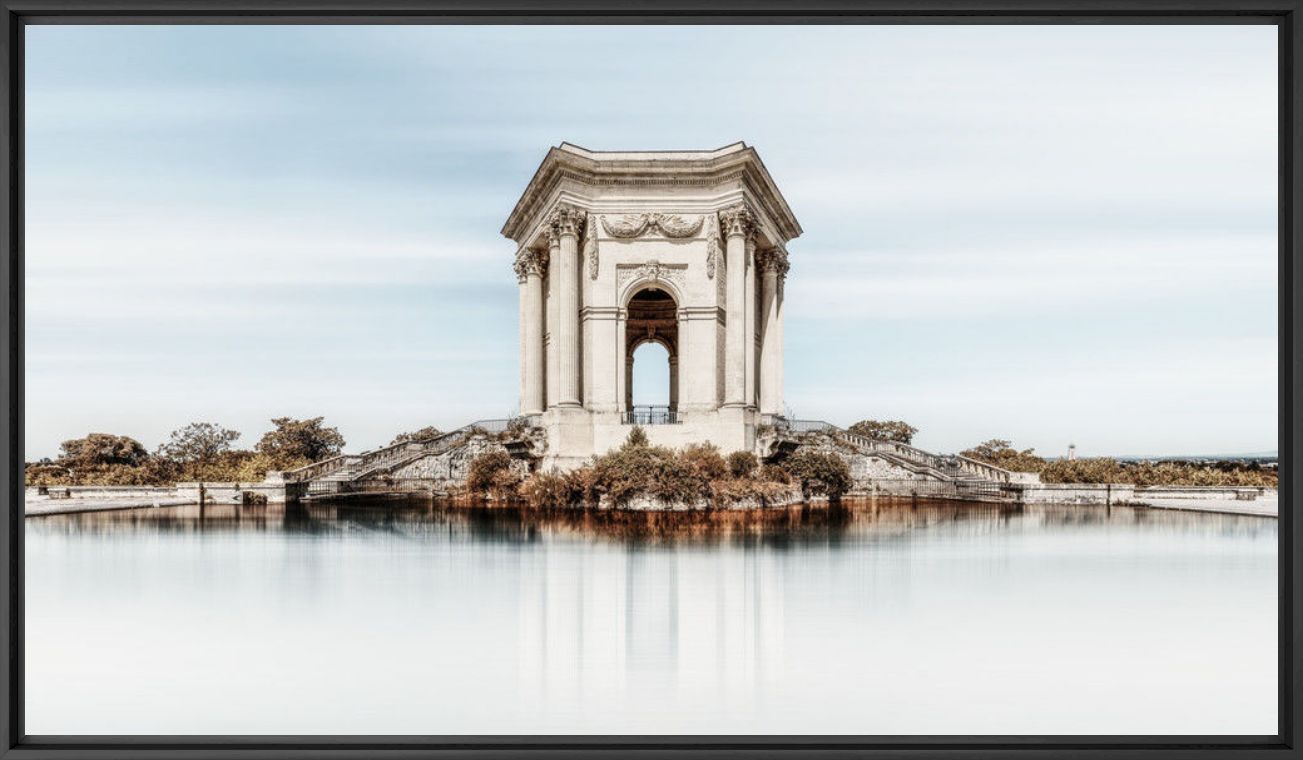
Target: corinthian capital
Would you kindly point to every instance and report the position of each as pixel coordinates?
(530, 261)
(565, 220)
(737, 220)
(772, 260)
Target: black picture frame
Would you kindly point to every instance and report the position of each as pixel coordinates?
(15, 15)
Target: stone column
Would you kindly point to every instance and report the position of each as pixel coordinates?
(674, 382)
(564, 226)
(530, 265)
(752, 324)
(618, 361)
(550, 334)
(738, 226)
(628, 383)
(772, 265)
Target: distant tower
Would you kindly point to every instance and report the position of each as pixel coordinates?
(1072, 452)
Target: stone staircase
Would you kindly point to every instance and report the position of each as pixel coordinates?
(340, 473)
(962, 472)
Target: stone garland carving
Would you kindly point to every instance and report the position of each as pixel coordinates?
(652, 270)
(590, 246)
(635, 225)
(530, 261)
(713, 245)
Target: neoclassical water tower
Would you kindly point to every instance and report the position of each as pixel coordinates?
(683, 248)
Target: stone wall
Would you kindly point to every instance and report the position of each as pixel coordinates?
(235, 493)
(449, 468)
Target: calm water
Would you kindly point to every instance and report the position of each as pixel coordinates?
(415, 619)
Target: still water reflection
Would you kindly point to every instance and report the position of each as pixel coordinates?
(413, 618)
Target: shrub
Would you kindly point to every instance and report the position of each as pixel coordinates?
(505, 485)
(1000, 453)
(742, 464)
(293, 439)
(884, 430)
(706, 459)
(549, 490)
(637, 437)
(482, 476)
(820, 473)
(775, 474)
(732, 491)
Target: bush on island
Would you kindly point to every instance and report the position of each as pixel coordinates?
(820, 473)
(742, 464)
(694, 475)
(490, 473)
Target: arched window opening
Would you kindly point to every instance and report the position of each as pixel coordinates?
(652, 335)
(651, 375)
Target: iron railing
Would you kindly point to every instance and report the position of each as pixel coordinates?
(651, 415)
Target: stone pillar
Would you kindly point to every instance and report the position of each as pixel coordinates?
(674, 382)
(530, 265)
(752, 324)
(779, 365)
(621, 360)
(550, 334)
(738, 226)
(564, 226)
(772, 265)
(628, 383)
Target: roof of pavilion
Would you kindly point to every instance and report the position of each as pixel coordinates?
(671, 167)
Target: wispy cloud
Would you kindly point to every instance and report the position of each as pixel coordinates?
(1047, 233)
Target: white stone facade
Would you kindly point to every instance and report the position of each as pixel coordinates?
(687, 249)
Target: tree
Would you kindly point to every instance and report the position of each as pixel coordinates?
(424, 434)
(820, 472)
(885, 430)
(296, 440)
(102, 450)
(197, 444)
(1001, 453)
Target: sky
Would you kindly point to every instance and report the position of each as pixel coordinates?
(1052, 235)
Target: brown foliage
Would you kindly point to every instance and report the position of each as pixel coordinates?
(884, 430)
(742, 464)
(819, 473)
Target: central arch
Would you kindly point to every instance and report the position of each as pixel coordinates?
(652, 318)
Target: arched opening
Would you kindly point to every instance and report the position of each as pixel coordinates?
(651, 361)
(651, 375)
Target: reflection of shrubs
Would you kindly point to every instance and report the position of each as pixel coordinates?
(820, 473)
(741, 464)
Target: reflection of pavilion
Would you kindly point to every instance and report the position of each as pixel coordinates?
(618, 249)
(596, 624)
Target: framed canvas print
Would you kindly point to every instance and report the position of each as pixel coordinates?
(428, 379)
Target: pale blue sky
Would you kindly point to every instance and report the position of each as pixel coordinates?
(1048, 234)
